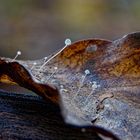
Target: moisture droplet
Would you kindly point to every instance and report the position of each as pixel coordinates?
(45, 58)
(91, 48)
(18, 53)
(87, 71)
(67, 41)
(61, 86)
(55, 68)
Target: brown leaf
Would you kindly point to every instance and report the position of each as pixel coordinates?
(115, 72)
(99, 81)
(14, 73)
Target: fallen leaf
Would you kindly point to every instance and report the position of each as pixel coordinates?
(15, 73)
(98, 80)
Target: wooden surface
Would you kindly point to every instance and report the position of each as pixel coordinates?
(29, 117)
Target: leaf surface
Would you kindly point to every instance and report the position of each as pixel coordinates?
(98, 82)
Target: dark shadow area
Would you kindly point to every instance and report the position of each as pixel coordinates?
(29, 117)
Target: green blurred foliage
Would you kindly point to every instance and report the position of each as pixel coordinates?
(39, 27)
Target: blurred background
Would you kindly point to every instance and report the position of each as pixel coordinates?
(39, 27)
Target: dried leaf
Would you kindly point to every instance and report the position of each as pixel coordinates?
(14, 73)
(99, 82)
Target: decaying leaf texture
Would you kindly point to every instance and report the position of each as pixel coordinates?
(13, 72)
(108, 95)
